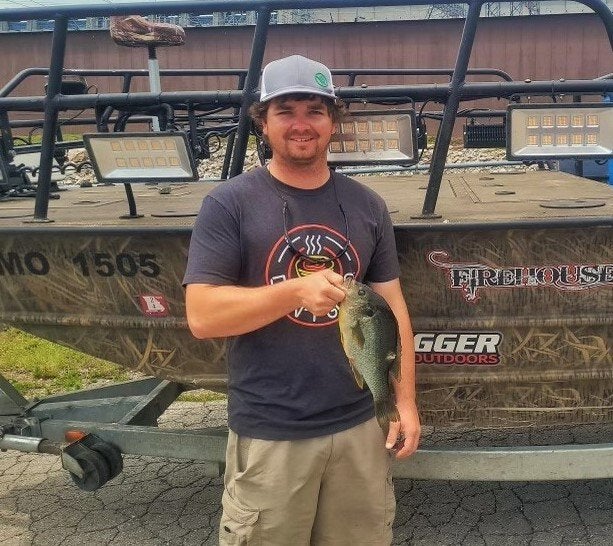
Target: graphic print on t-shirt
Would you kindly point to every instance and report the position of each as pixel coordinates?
(317, 242)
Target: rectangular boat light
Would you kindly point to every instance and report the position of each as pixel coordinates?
(140, 157)
(375, 138)
(582, 131)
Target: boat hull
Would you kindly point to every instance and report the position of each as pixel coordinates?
(512, 326)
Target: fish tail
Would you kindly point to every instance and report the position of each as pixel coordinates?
(386, 411)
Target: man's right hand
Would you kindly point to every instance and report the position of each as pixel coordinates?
(320, 292)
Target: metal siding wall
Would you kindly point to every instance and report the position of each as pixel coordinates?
(537, 47)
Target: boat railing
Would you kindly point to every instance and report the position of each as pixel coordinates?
(450, 95)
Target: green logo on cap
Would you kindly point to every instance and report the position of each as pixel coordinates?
(321, 80)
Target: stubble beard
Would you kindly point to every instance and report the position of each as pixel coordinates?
(305, 157)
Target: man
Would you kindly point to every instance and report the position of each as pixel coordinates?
(307, 462)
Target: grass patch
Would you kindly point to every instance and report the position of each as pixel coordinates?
(202, 395)
(36, 367)
(37, 136)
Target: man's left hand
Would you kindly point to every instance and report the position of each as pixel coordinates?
(403, 436)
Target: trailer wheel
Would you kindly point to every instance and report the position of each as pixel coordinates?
(96, 470)
(112, 455)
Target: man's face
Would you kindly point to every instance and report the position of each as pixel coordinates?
(298, 131)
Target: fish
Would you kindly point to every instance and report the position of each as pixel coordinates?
(371, 340)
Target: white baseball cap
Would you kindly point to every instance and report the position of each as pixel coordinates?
(295, 74)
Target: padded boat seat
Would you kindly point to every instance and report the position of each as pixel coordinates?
(136, 31)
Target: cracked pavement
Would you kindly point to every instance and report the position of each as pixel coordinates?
(171, 501)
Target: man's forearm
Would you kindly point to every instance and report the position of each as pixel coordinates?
(220, 311)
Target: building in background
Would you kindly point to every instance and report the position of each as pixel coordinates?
(336, 15)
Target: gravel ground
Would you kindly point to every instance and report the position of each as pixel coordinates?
(211, 168)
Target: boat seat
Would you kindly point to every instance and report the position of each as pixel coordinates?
(137, 31)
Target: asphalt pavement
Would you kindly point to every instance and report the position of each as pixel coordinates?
(167, 502)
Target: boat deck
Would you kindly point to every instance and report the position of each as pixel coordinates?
(465, 199)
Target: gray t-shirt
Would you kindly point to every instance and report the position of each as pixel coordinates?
(291, 379)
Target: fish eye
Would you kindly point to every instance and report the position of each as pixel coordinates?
(361, 292)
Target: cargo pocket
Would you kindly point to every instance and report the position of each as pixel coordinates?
(238, 523)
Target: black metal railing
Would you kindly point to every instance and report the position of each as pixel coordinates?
(450, 94)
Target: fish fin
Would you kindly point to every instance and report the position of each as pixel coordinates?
(358, 335)
(386, 411)
(358, 338)
(395, 365)
(359, 379)
(395, 369)
(344, 344)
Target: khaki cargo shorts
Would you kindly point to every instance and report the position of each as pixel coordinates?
(333, 490)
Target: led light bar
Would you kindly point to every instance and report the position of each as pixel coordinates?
(140, 157)
(374, 138)
(537, 131)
